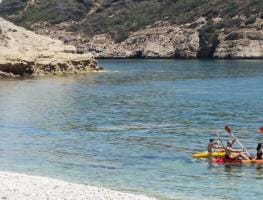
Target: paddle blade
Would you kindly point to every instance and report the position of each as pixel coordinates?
(228, 129)
(261, 130)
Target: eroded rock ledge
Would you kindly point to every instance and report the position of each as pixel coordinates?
(24, 53)
(163, 40)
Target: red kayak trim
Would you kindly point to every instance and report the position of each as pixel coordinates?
(224, 161)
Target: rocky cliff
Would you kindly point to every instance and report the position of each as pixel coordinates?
(164, 40)
(147, 28)
(24, 53)
(244, 43)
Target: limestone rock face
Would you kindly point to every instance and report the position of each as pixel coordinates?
(144, 28)
(158, 41)
(24, 53)
(240, 44)
(163, 40)
(177, 42)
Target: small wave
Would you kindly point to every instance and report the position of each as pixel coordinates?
(135, 127)
(103, 166)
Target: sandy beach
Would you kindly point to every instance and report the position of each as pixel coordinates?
(25, 187)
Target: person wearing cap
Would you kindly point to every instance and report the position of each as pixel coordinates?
(212, 145)
(234, 154)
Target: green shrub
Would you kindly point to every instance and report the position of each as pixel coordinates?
(121, 17)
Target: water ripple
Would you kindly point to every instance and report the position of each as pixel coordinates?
(135, 126)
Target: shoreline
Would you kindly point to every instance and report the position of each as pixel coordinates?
(167, 58)
(22, 186)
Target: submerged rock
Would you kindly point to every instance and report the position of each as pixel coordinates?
(24, 53)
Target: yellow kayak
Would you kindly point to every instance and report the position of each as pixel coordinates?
(209, 155)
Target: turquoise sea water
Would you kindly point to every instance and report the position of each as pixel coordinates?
(134, 127)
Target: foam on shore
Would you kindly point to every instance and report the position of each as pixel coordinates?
(25, 187)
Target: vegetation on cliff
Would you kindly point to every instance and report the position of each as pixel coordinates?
(118, 18)
(27, 11)
(123, 16)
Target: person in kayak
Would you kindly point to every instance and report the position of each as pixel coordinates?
(259, 152)
(213, 145)
(234, 154)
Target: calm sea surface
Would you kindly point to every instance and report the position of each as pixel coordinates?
(135, 126)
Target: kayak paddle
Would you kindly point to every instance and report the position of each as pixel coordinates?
(228, 129)
(219, 138)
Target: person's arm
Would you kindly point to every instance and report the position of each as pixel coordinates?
(237, 150)
(233, 141)
(218, 147)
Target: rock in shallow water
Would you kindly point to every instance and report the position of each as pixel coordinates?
(24, 53)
